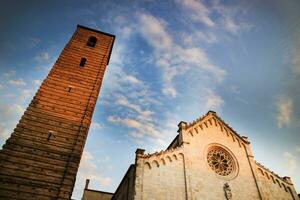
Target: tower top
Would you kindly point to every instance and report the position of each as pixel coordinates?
(97, 31)
(103, 33)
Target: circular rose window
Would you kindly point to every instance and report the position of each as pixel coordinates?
(220, 161)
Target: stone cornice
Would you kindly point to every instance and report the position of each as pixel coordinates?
(284, 179)
(214, 114)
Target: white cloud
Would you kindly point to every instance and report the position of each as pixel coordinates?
(41, 57)
(25, 94)
(212, 100)
(105, 181)
(37, 82)
(9, 74)
(231, 17)
(285, 110)
(4, 132)
(9, 111)
(131, 79)
(18, 82)
(173, 59)
(289, 161)
(123, 101)
(1, 86)
(154, 29)
(89, 170)
(96, 126)
(226, 17)
(198, 11)
(140, 127)
(200, 37)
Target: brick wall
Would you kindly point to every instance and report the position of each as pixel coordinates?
(41, 158)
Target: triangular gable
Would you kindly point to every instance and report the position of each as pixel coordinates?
(202, 120)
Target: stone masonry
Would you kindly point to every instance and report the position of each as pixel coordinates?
(206, 160)
(41, 158)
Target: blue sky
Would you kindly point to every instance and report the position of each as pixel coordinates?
(172, 61)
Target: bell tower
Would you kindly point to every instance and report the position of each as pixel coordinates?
(41, 158)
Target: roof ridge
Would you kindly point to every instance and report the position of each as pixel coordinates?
(157, 153)
(270, 171)
(220, 119)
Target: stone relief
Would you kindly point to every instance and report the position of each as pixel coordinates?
(227, 191)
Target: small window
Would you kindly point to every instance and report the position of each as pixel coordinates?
(92, 41)
(50, 135)
(69, 89)
(82, 62)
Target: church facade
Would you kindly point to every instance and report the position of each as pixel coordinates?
(206, 160)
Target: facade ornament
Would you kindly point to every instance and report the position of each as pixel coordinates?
(227, 191)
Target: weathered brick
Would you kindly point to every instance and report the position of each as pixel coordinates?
(41, 158)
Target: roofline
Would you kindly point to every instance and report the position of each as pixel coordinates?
(123, 179)
(190, 124)
(99, 191)
(104, 33)
(95, 30)
(173, 141)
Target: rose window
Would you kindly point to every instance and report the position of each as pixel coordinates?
(220, 161)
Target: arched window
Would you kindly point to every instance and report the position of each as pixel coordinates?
(82, 62)
(92, 41)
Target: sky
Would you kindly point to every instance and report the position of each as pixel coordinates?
(172, 61)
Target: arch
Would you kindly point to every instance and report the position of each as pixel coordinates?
(267, 175)
(284, 187)
(163, 161)
(201, 126)
(91, 41)
(148, 165)
(155, 163)
(181, 156)
(196, 130)
(82, 62)
(191, 133)
(238, 142)
(261, 171)
(272, 178)
(169, 158)
(221, 127)
(215, 121)
(174, 156)
(278, 182)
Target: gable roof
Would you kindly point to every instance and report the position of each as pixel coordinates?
(186, 125)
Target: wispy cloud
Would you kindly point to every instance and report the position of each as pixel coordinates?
(173, 59)
(96, 126)
(284, 111)
(213, 101)
(89, 170)
(290, 161)
(25, 94)
(18, 82)
(42, 57)
(198, 11)
(217, 15)
(37, 82)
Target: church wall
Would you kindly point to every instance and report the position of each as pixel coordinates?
(161, 177)
(272, 187)
(201, 178)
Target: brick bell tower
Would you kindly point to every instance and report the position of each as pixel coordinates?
(41, 158)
